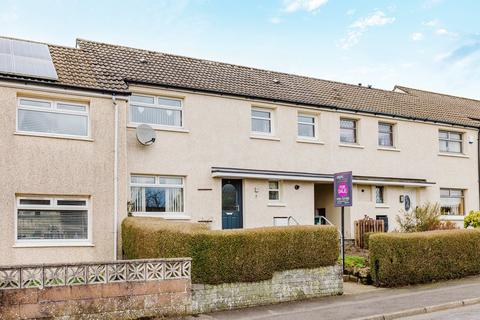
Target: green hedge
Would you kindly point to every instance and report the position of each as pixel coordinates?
(398, 259)
(222, 256)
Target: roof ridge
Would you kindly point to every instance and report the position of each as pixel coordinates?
(241, 66)
(436, 93)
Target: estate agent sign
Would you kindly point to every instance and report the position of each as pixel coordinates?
(343, 189)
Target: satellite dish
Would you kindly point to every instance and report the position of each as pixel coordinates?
(145, 134)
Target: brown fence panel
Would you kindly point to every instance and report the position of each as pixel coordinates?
(366, 225)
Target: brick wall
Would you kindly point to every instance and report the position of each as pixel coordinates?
(284, 286)
(117, 290)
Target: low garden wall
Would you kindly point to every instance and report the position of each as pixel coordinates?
(398, 259)
(246, 267)
(284, 286)
(113, 290)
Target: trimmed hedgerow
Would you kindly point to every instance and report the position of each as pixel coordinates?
(398, 259)
(226, 256)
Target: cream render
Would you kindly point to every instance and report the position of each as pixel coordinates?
(216, 143)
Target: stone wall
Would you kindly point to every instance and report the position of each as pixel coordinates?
(284, 286)
(114, 290)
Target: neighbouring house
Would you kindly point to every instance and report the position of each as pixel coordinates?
(235, 147)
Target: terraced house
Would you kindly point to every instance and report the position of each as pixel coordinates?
(234, 147)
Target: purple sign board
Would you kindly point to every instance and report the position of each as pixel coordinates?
(342, 184)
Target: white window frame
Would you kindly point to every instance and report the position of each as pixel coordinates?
(448, 139)
(272, 121)
(356, 122)
(392, 134)
(157, 105)
(450, 197)
(53, 206)
(314, 124)
(53, 109)
(383, 195)
(166, 214)
(279, 190)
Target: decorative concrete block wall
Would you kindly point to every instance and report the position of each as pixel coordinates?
(284, 286)
(113, 290)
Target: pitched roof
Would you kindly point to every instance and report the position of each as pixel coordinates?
(109, 67)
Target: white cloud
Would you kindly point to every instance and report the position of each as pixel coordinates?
(359, 27)
(351, 12)
(445, 32)
(352, 38)
(417, 36)
(275, 20)
(377, 18)
(431, 23)
(305, 5)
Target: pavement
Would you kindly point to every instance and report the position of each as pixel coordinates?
(466, 313)
(361, 302)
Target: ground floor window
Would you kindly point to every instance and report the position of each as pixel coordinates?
(379, 195)
(157, 194)
(52, 219)
(274, 190)
(452, 201)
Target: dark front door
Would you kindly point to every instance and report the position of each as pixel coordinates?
(232, 204)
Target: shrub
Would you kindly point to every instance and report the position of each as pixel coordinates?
(366, 238)
(226, 256)
(424, 218)
(407, 258)
(472, 220)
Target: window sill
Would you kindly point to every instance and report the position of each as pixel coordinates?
(163, 216)
(54, 136)
(33, 244)
(276, 204)
(382, 206)
(347, 145)
(388, 149)
(264, 137)
(313, 141)
(455, 155)
(160, 128)
(452, 218)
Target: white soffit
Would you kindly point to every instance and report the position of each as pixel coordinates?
(28, 59)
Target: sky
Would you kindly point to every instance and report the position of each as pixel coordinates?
(426, 44)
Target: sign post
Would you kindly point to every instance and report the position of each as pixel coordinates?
(342, 185)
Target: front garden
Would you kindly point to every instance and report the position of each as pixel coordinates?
(425, 249)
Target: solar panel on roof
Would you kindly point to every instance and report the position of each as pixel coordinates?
(26, 58)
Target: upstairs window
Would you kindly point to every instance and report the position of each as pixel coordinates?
(261, 120)
(306, 126)
(45, 219)
(348, 130)
(452, 202)
(385, 134)
(52, 117)
(156, 111)
(157, 195)
(273, 190)
(450, 141)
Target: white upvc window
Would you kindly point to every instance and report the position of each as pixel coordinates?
(52, 220)
(274, 190)
(262, 120)
(156, 111)
(157, 195)
(307, 126)
(452, 202)
(450, 141)
(348, 130)
(52, 118)
(385, 134)
(379, 195)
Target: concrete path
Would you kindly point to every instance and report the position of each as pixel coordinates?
(465, 313)
(364, 302)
